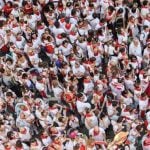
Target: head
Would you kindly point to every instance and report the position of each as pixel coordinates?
(136, 41)
(96, 129)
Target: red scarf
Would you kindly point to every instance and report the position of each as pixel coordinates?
(19, 148)
(25, 109)
(40, 27)
(82, 147)
(7, 148)
(60, 8)
(44, 136)
(19, 39)
(137, 88)
(72, 33)
(96, 133)
(88, 115)
(68, 26)
(14, 25)
(87, 80)
(147, 142)
(52, 108)
(59, 36)
(62, 20)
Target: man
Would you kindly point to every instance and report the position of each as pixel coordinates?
(79, 71)
(146, 140)
(135, 48)
(98, 134)
(81, 103)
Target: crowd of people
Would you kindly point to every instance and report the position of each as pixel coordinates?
(74, 74)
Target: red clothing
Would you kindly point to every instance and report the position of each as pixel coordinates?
(82, 147)
(4, 48)
(7, 10)
(28, 9)
(50, 49)
(148, 90)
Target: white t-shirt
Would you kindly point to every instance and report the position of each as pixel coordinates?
(81, 106)
(100, 136)
(135, 50)
(26, 136)
(143, 104)
(80, 69)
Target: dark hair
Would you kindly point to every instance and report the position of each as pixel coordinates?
(111, 8)
(120, 11)
(9, 94)
(145, 27)
(73, 12)
(57, 24)
(122, 49)
(24, 76)
(39, 78)
(33, 140)
(89, 39)
(68, 4)
(9, 135)
(91, 5)
(79, 95)
(143, 94)
(9, 2)
(18, 143)
(94, 15)
(124, 92)
(9, 59)
(133, 10)
(120, 119)
(145, 2)
(102, 115)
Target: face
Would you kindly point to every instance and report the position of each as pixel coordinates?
(66, 44)
(96, 130)
(9, 63)
(53, 130)
(2, 128)
(8, 4)
(34, 36)
(30, 44)
(135, 42)
(77, 65)
(132, 19)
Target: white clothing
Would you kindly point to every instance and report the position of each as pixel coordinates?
(100, 136)
(148, 116)
(57, 92)
(143, 104)
(91, 122)
(26, 136)
(81, 106)
(135, 50)
(40, 86)
(79, 70)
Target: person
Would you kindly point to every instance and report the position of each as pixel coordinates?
(74, 74)
(98, 134)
